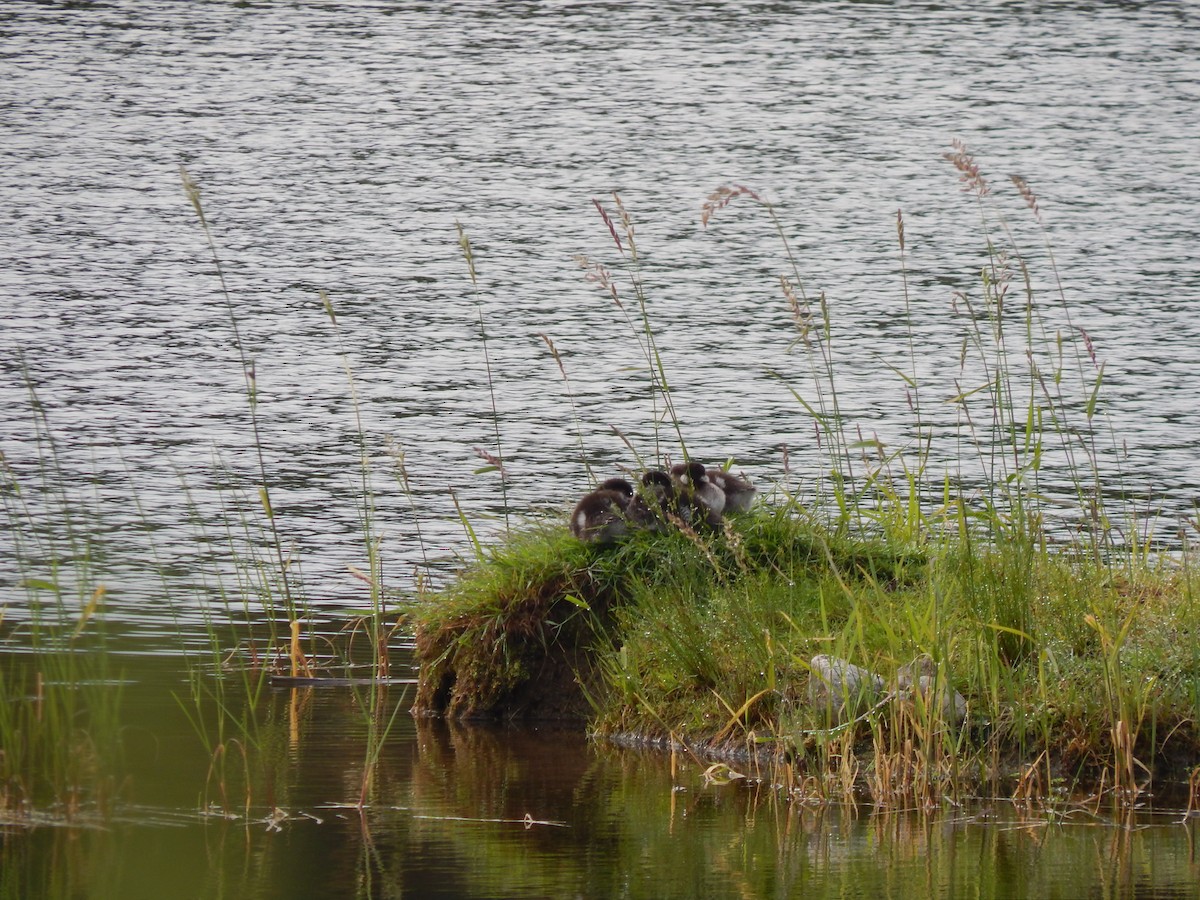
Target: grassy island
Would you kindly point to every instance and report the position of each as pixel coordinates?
(1076, 673)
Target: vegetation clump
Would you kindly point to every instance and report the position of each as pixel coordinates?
(521, 633)
(1072, 671)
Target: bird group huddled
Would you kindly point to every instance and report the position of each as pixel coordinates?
(688, 495)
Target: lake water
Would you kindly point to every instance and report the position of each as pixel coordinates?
(482, 812)
(338, 144)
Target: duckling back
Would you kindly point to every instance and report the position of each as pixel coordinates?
(739, 493)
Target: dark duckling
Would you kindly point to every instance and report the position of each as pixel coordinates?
(655, 500)
(620, 485)
(700, 493)
(600, 517)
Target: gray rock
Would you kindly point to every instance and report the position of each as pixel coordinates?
(840, 688)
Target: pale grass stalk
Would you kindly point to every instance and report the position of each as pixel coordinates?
(465, 244)
(192, 189)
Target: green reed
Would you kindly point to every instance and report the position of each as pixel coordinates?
(641, 328)
(60, 740)
(248, 372)
(248, 649)
(562, 370)
(495, 462)
(1013, 411)
(380, 717)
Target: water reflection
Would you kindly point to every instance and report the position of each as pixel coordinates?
(471, 812)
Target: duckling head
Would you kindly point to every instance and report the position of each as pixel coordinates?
(658, 484)
(695, 484)
(655, 500)
(619, 485)
(689, 476)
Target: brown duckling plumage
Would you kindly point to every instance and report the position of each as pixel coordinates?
(601, 517)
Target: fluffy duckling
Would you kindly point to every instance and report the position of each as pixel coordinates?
(600, 517)
(739, 493)
(657, 485)
(692, 478)
(706, 499)
(655, 500)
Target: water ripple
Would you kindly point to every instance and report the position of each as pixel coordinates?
(338, 144)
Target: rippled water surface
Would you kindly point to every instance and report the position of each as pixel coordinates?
(338, 145)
